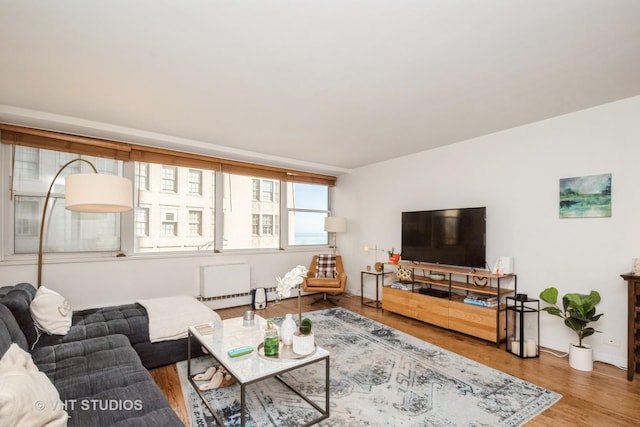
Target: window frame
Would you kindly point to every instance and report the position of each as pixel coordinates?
(12, 136)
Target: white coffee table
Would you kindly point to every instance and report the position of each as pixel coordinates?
(252, 367)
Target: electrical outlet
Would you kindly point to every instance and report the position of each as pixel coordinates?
(613, 342)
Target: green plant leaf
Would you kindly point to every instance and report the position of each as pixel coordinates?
(549, 295)
(553, 310)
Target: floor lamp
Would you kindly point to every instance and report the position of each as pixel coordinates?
(89, 192)
(334, 224)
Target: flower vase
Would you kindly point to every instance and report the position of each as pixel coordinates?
(287, 329)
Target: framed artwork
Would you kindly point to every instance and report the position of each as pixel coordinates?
(585, 196)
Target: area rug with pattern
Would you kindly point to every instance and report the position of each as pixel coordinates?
(379, 376)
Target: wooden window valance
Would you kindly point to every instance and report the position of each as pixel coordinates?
(18, 135)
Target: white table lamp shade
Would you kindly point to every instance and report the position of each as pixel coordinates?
(93, 192)
(334, 224)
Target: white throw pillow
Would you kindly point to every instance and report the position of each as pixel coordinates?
(51, 312)
(27, 396)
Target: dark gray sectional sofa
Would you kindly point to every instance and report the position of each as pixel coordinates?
(100, 367)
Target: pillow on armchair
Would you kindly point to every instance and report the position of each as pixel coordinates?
(326, 266)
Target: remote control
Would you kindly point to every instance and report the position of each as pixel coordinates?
(240, 351)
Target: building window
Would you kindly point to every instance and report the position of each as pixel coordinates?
(268, 192)
(255, 224)
(255, 190)
(178, 221)
(195, 223)
(194, 185)
(142, 222)
(169, 225)
(27, 217)
(169, 179)
(27, 163)
(267, 225)
(142, 176)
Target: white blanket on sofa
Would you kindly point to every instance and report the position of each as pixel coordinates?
(170, 317)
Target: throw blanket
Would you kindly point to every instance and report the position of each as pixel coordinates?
(170, 317)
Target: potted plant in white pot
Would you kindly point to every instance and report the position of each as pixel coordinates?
(578, 311)
(303, 340)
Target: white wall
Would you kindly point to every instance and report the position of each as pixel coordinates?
(124, 280)
(515, 174)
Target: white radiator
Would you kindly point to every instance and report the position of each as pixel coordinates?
(225, 285)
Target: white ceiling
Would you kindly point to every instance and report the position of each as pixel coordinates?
(326, 85)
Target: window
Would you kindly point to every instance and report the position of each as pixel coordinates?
(267, 224)
(169, 225)
(27, 163)
(170, 179)
(244, 216)
(255, 224)
(142, 176)
(65, 231)
(142, 222)
(255, 190)
(27, 217)
(307, 206)
(268, 193)
(195, 223)
(178, 222)
(208, 203)
(194, 186)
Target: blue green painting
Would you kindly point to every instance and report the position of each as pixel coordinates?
(585, 196)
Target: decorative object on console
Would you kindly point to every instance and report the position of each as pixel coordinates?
(636, 266)
(92, 192)
(404, 274)
(375, 249)
(393, 256)
(503, 265)
(578, 312)
(333, 225)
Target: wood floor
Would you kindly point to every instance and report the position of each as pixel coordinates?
(602, 397)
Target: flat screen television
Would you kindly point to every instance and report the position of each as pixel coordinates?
(446, 236)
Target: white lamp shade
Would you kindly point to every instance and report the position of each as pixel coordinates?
(334, 224)
(93, 192)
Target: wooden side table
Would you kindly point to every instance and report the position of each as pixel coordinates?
(633, 331)
(378, 275)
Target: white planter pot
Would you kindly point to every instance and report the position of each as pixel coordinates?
(303, 344)
(581, 358)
